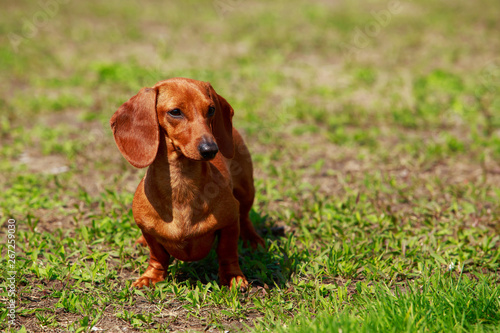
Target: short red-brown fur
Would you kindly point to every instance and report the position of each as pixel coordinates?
(183, 201)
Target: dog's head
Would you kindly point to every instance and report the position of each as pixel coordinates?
(196, 120)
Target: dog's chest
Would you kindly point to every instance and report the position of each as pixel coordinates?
(191, 234)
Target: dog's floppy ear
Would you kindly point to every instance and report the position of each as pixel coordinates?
(136, 129)
(222, 125)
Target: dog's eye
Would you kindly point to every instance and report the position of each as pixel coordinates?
(211, 111)
(176, 113)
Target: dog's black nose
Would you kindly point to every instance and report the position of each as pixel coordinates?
(208, 149)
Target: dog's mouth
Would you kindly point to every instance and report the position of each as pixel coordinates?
(192, 157)
(203, 152)
(199, 158)
(177, 148)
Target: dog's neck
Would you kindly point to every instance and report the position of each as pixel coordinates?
(175, 176)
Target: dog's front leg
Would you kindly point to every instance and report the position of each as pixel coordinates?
(159, 260)
(230, 273)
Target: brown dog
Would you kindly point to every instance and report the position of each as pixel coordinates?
(190, 193)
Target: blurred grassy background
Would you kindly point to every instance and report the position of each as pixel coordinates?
(374, 127)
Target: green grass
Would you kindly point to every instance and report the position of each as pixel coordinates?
(377, 173)
(441, 303)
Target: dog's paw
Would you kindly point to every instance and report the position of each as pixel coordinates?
(146, 281)
(254, 240)
(239, 282)
(234, 281)
(141, 241)
(258, 241)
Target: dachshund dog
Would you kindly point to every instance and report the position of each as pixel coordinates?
(199, 183)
